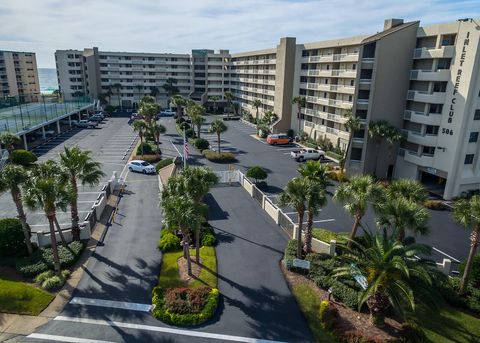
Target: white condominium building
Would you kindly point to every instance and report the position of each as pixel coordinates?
(19, 76)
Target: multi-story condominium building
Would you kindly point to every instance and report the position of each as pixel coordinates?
(19, 75)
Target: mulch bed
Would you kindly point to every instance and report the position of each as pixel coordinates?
(182, 269)
(351, 322)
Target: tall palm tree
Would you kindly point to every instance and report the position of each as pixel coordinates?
(394, 278)
(184, 213)
(356, 195)
(154, 91)
(301, 102)
(315, 171)
(316, 199)
(45, 189)
(140, 89)
(157, 130)
(12, 177)
(8, 140)
(467, 213)
(141, 127)
(295, 195)
(407, 188)
(382, 131)
(214, 99)
(118, 87)
(270, 117)
(196, 114)
(352, 124)
(148, 110)
(170, 88)
(257, 103)
(401, 214)
(178, 101)
(218, 126)
(229, 97)
(79, 166)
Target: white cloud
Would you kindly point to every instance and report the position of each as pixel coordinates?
(178, 26)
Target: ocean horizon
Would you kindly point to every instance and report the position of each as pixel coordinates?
(48, 80)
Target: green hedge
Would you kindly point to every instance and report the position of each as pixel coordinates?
(200, 143)
(333, 155)
(161, 312)
(23, 157)
(208, 238)
(223, 157)
(326, 236)
(291, 250)
(163, 163)
(148, 149)
(12, 240)
(169, 242)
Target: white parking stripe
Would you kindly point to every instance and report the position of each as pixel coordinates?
(191, 333)
(57, 338)
(111, 304)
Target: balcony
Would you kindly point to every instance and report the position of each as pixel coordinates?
(423, 160)
(430, 75)
(421, 139)
(342, 89)
(352, 57)
(443, 52)
(317, 100)
(344, 73)
(315, 86)
(423, 118)
(422, 96)
(340, 103)
(316, 72)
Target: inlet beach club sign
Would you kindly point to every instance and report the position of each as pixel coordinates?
(453, 102)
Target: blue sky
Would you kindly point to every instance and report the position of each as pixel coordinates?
(42, 26)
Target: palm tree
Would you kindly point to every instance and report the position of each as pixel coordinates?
(300, 101)
(8, 140)
(184, 213)
(157, 130)
(352, 124)
(356, 195)
(402, 214)
(214, 99)
(196, 114)
(316, 199)
(11, 178)
(270, 117)
(140, 89)
(198, 182)
(178, 101)
(295, 195)
(467, 213)
(382, 131)
(141, 127)
(218, 126)
(118, 87)
(154, 91)
(407, 188)
(45, 189)
(148, 110)
(257, 103)
(315, 171)
(170, 88)
(79, 166)
(393, 277)
(229, 97)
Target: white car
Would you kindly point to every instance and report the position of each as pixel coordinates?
(86, 123)
(141, 167)
(307, 154)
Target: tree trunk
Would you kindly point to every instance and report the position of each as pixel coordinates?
(308, 232)
(218, 140)
(342, 165)
(141, 141)
(74, 210)
(17, 199)
(298, 115)
(60, 233)
(354, 230)
(197, 245)
(189, 262)
(199, 126)
(473, 249)
(53, 239)
(377, 152)
(400, 234)
(301, 213)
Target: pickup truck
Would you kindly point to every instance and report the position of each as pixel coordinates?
(86, 123)
(167, 113)
(307, 154)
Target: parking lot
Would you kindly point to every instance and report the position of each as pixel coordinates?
(109, 143)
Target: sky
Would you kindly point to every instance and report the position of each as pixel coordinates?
(43, 26)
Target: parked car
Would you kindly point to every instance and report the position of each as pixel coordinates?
(167, 113)
(48, 133)
(307, 154)
(141, 167)
(87, 124)
(278, 138)
(95, 118)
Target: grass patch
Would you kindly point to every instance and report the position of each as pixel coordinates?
(448, 325)
(309, 304)
(169, 277)
(21, 298)
(326, 235)
(334, 155)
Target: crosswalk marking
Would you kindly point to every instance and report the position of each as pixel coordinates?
(57, 338)
(111, 304)
(191, 333)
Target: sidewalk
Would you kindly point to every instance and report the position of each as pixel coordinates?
(13, 327)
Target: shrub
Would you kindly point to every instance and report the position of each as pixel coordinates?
(436, 205)
(208, 240)
(201, 144)
(223, 157)
(290, 133)
(206, 311)
(23, 157)
(40, 278)
(163, 163)
(67, 257)
(109, 109)
(326, 236)
(186, 300)
(147, 149)
(169, 242)
(474, 277)
(53, 282)
(31, 266)
(190, 133)
(257, 173)
(338, 175)
(184, 126)
(345, 294)
(12, 240)
(328, 315)
(291, 250)
(413, 332)
(179, 121)
(148, 158)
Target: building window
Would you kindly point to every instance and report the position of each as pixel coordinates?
(473, 137)
(352, 82)
(477, 115)
(350, 98)
(354, 66)
(468, 158)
